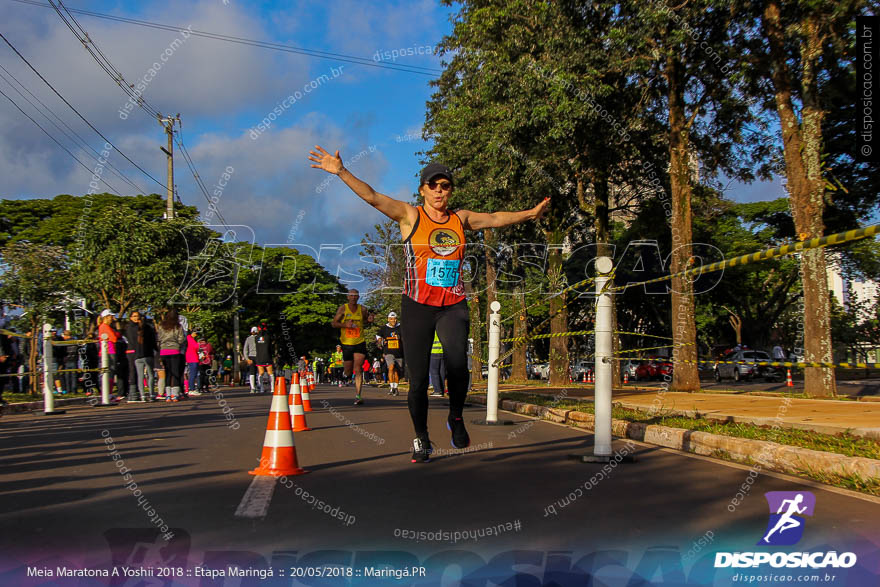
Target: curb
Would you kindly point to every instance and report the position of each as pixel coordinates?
(777, 457)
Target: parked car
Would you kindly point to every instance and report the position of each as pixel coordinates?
(539, 371)
(731, 367)
(654, 368)
(579, 369)
(629, 369)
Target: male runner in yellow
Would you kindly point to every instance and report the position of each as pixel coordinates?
(350, 318)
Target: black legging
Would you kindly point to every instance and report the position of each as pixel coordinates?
(418, 323)
(173, 365)
(203, 376)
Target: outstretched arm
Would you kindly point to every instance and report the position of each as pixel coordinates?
(394, 209)
(481, 220)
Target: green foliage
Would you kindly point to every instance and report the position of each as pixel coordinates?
(35, 278)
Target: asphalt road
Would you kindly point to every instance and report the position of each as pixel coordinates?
(663, 517)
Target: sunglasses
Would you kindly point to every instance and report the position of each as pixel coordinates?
(443, 185)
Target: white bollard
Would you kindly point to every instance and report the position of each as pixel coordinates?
(494, 370)
(494, 351)
(105, 373)
(48, 371)
(604, 355)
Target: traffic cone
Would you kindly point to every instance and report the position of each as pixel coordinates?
(590, 378)
(788, 382)
(585, 377)
(297, 414)
(625, 378)
(311, 381)
(279, 451)
(307, 403)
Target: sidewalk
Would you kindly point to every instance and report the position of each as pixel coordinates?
(824, 416)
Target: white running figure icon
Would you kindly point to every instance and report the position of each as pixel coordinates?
(786, 522)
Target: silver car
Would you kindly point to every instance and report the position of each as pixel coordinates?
(730, 368)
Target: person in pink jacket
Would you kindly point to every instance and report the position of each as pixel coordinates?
(192, 362)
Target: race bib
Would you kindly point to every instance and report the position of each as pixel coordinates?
(352, 332)
(442, 272)
(393, 343)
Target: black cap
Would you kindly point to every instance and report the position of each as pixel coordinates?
(432, 170)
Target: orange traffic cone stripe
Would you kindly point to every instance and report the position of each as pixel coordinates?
(297, 413)
(307, 402)
(279, 452)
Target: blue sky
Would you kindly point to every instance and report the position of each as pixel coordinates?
(223, 90)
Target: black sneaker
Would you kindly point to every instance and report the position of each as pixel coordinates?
(421, 449)
(358, 400)
(436, 394)
(460, 438)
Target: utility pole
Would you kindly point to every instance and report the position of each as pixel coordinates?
(168, 125)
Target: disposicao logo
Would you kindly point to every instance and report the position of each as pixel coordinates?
(786, 524)
(785, 528)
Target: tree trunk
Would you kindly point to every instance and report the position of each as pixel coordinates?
(559, 313)
(685, 376)
(802, 147)
(520, 328)
(35, 379)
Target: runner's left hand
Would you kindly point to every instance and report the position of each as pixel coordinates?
(541, 208)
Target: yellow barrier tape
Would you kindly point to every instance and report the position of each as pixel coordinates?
(645, 335)
(813, 243)
(793, 364)
(651, 348)
(552, 335)
(10, 333)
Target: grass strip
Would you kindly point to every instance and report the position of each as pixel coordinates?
(843, 443)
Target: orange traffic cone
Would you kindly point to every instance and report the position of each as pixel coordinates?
(297, 414)
(585, 377)
(311, 381)
(279, 452)
(307, 402)
(788, 382)
(625, 378)
(590, 378)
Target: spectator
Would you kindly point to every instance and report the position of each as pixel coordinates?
(105, 322)
(437, 368)
(90, 360)
(192, 362)
(206, 359)
(142, 346)
(227, 370)
(68, 363)
(6, 361)
(171, 337)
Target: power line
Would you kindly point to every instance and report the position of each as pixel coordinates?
(84, 166)
(104, 62)
(83, 37)
(63, 99)
(253, 42)
(82, 142)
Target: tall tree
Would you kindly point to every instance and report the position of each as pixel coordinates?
(685, 55)
(804, 41)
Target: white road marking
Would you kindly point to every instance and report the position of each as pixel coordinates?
(256, 500)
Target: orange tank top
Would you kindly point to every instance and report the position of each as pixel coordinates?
(434, 252)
